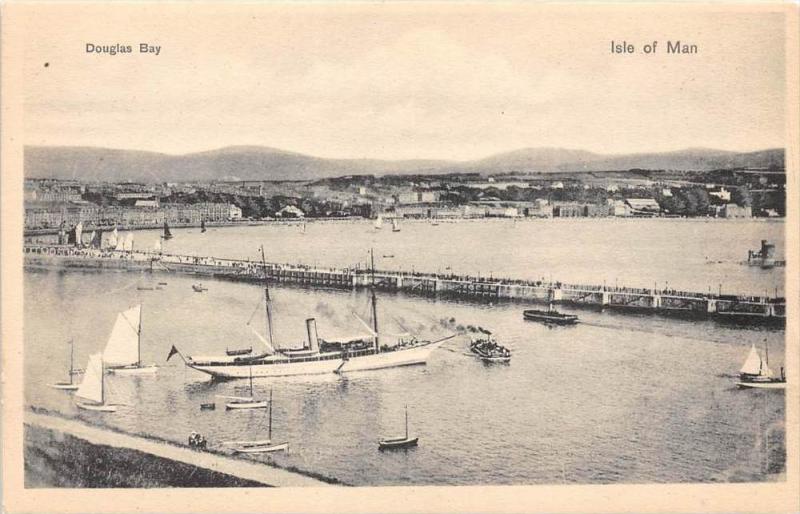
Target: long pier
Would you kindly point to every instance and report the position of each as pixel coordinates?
(658, 301)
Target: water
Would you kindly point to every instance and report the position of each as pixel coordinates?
(618, 398)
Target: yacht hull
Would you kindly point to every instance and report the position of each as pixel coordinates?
(96, 407)
(762, 385)
(133, 370)
(294, 367)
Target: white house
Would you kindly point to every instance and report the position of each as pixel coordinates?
(234, 212)
(290, 211)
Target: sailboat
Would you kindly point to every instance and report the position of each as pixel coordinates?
(318, 356)
(378, 223)
(240, 402)
(395, 227)
(68, 386)
(122, 354)
(202, 226)
(756, 374)
(167, 234)
(262, 446)
(391, 443)
(93, 386)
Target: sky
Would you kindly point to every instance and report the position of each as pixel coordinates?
(403, 81)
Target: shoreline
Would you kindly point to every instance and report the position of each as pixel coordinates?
(55, 443)
(34, 232)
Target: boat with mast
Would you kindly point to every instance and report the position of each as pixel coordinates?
(167, 234)
(391, 443)
(202, 226)
(123, 352)
(71, 385)
(756, 373)
(245, 402)
(378, 222)
(264, 445)
(395, 226)
(317, 356)
(93, 387)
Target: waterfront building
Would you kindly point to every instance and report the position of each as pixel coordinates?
(731, 210)
(290, 211)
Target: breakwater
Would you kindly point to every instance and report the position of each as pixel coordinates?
(657, 301)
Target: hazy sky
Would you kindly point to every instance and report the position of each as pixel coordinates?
(403, 81)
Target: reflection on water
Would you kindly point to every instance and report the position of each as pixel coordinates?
(618, 398)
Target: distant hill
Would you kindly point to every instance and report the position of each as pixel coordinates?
(264, 163)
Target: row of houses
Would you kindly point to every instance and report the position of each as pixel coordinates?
(53, 214)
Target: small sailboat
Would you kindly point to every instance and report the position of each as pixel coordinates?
(378, 223)
(93, 386)
(244, 402)
(263, 446)
(391, 443)
(68, 386)
(122, 354)
(395, 226)
(167, 234)
(756, 374)
(202, 226)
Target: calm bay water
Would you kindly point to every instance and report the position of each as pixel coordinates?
(618, 398)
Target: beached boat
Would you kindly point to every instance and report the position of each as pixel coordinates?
(262, 446)
(317, 355)
(392, 443)
(71, 385)
(93, 387)
(487, 349)
(123, 352)
(756, 373)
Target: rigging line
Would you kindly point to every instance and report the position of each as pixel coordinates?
(256, 309)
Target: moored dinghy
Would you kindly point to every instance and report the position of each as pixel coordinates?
(391, 443)
(71, 385)
(264, 445)
(122, 354)
(93, 387)
(244, 402)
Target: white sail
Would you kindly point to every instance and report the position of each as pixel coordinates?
(92, 385)
(157, 245)
(112, 239)
(78, 233)
(378, 222)
(128, 244)
(122, 348)
(752, 365)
